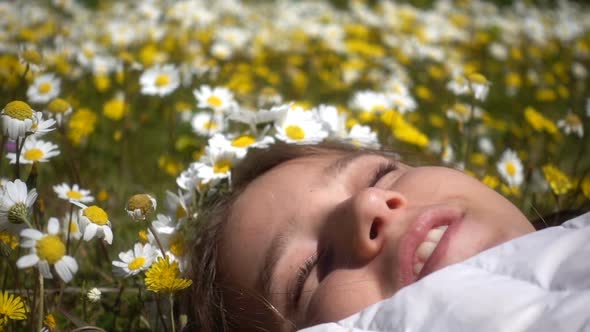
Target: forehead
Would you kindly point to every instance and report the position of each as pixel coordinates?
(270, 203)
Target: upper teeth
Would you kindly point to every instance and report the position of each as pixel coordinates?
(426, 248)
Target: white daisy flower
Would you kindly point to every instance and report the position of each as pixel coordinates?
(217, 98)
(47, 249)
(70, 222)
(15, 203)
(448, 154)
(299, 126)
(510, 168)
(94, 295)
(165, 228)
(254, 118)
(17, 119)
(160, 80)
(459, 85)
(333, 121)
(140, 206)
(216, 165)
(486, 145)
(94, 222)
(571, 124)
(239, 144)
(177, 204)
(59, 108)
(480, 86)
(188, 179)
(44, 88)
(207, 124)
(134, 261)
(363, 136)
(31, 57)
(402, 102)
(370, 101)
(461, 112)
(41, 127)
(35, 151)
(74, 192)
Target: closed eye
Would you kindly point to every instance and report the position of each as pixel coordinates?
(383, 169)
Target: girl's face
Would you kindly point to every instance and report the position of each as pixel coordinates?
(323, 237)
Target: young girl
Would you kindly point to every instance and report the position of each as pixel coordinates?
(316, 233)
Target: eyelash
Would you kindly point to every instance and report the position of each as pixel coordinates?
(302, 275)
(384, 169)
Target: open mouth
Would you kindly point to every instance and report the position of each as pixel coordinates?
(424, 245)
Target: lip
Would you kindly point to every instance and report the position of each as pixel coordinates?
(416, 234)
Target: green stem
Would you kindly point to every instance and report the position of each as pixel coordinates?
(151, 228)
(69, 229)
(171, 300)
(41, 298)
(159, 309)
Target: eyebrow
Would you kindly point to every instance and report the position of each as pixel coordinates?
(279, 243)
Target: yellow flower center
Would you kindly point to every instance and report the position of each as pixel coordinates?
(142, 202)
(32, 56)
(222, 166)
(214, 101)
(295, 132)
(18, 110)
(477, 78)
(74, 194)
(573, 120)
(34, 154)
(58, 105)
(50, 248)
(44, 88)
(143, 236)
(73, 226)
(243, 141)
(461, 109)
(96, 215)
(510, 168)
(210, 125)
(177, 246)
(136, 264)
(162, 80)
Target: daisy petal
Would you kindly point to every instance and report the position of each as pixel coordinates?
(31, 233)
(27, 261)
(90, 232)
(53, 226)
(108, 235)
(71, 263)
(62, 271)
(44, 269)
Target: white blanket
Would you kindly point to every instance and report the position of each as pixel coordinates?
(539, 282)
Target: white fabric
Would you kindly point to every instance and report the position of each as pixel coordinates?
(539, 282)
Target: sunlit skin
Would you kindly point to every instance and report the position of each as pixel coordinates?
(365, 236)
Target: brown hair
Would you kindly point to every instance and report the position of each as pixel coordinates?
(216, 304)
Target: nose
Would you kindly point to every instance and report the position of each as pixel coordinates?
(359, 232)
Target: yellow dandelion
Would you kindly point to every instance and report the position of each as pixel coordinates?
(163, 277)
(559, 182)
(50, 322)
(81, 125)
(538, 121)
(11, 307)
(9, 239)
(586, 187)
(491, 181)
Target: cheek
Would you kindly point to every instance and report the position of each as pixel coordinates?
(341, 296)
